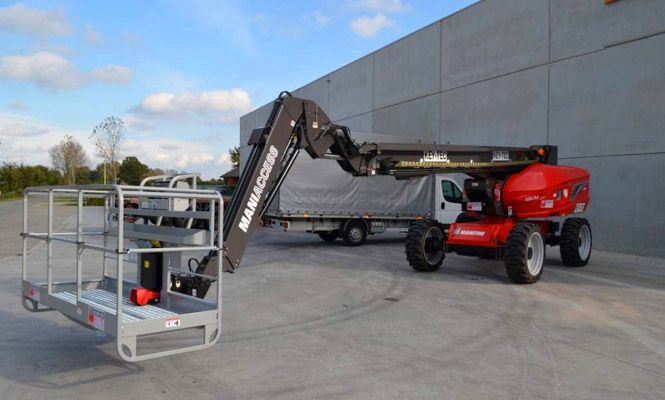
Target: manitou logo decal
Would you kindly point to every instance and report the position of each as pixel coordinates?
(260, 185)
(435, 156)
(460, 231)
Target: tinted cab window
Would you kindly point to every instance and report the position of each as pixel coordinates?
(451, 192)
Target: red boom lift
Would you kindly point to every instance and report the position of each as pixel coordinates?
(509, 200)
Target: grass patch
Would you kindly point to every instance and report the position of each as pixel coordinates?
(5, 199)
(10, 196)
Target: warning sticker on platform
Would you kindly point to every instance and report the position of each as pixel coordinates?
(172, 322)
(35, 293)
(96, 318)
(474, 206)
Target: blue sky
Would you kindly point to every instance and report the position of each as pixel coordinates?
(179, 73)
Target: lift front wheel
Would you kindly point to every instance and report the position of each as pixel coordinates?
(524, 253)
(424, 246)
(575, 243)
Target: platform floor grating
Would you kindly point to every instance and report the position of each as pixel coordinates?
(106, 301)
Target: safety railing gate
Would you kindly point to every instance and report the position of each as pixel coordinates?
(101, 301)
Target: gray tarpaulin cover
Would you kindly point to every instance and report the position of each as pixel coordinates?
(322, 187)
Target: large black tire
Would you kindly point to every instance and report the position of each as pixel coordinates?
(355, 233)
(524, 254)
(329, 236)
(424, 246)
(575, 243)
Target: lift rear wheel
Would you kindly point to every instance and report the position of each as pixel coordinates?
(329, 236)
(355, 232)
(424, 246)
(524, 253)
(575, 242)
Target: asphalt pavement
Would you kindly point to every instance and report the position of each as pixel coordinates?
(307, 319)
(11, 221)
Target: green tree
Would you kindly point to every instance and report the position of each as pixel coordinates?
(99, 171)
(84, 176)
(14, 178)
(234, 152)
(67, 157)
(107, 138)
(132, 171)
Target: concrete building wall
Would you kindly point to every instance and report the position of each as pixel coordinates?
(579, 74)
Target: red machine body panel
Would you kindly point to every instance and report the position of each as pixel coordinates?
(542, 191)
(490, 232)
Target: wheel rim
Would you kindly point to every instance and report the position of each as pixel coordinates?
(584, 242)
(433, 257)
(535, 253)
(356, 234)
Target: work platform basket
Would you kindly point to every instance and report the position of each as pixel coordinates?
(117, 218)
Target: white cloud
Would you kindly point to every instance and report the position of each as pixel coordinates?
(321, 19)
(91, 35)
(228, 104)
(387, 6)
(17, 105)
(113, 74)
(51, 71)
(131, 39)
(45, 69)
(27, 140)
(35, 21)
(19, 129)
(138, 124)
(62, 49)
(180, 155)
(366, 26)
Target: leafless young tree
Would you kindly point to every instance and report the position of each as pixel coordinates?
(67, 157)
(107, 138)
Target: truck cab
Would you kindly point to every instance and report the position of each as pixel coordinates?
(449, 197)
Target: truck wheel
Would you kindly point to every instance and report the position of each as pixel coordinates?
(524, 253)
(329, 236)
(355, 233)
(575, 242)
(424, 246)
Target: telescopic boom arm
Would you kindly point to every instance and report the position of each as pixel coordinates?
(297, 124)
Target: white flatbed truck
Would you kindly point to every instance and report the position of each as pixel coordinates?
(322, 199)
